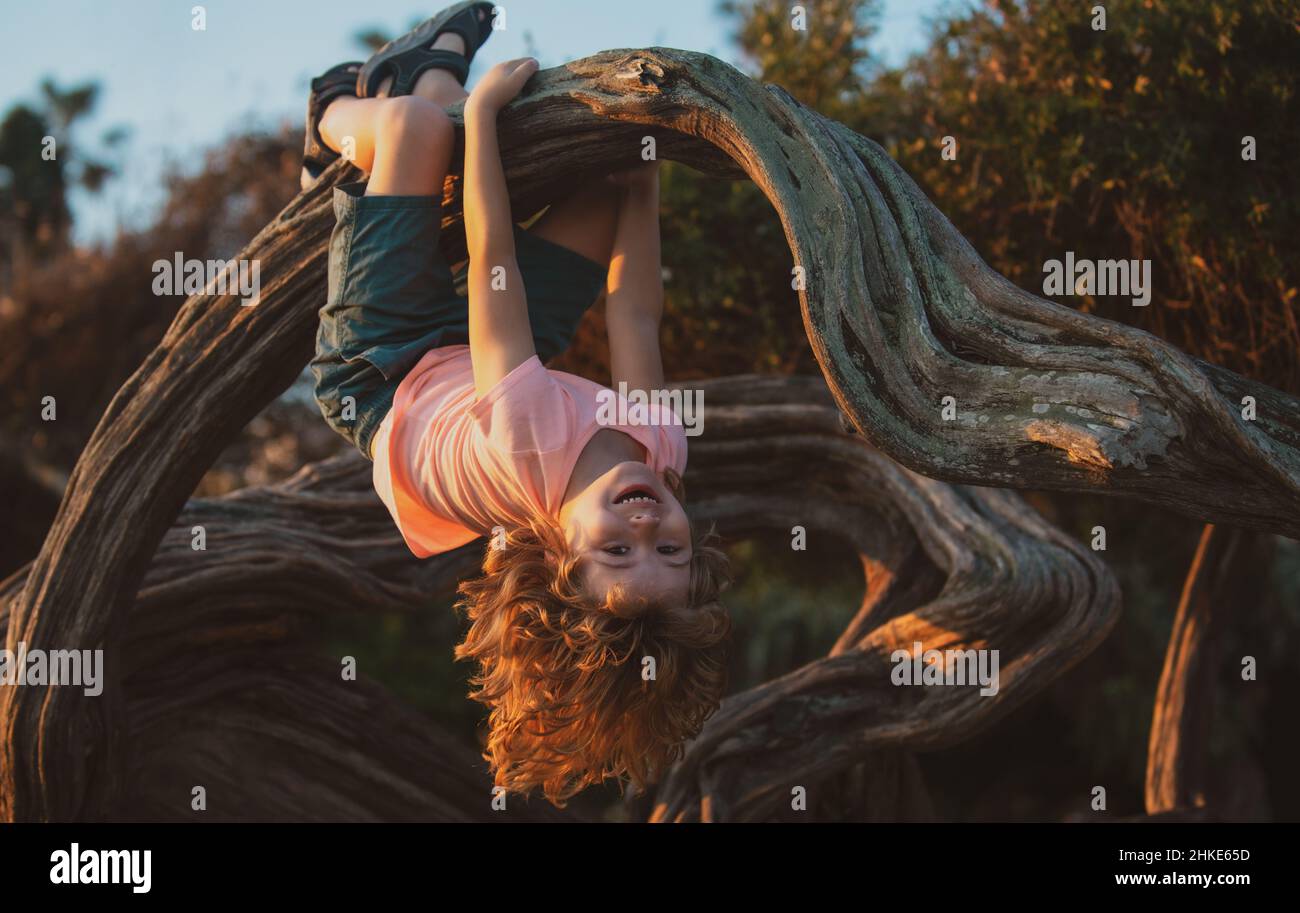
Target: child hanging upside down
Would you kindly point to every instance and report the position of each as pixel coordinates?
(595, 624)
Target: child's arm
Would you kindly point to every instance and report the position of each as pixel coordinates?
(635, 298)
(500, 337)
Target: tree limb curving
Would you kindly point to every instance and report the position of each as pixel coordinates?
(899, 310)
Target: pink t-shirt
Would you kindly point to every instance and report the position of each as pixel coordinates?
(450, 467)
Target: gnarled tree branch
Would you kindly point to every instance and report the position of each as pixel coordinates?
(899, 310)
(223, 690)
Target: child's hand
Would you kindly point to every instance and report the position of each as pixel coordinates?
(501, 84)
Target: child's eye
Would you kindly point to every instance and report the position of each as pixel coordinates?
(616, 549)
(668, 549)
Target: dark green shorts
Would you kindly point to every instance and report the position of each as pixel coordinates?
(393, 297)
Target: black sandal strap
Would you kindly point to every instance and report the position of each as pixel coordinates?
(407, 68)
(336, 82)
(314, 166)
(472, 30)
(407, 57)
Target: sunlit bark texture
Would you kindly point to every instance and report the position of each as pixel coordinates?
(1178, 752)
(224, 687)
(900, 312)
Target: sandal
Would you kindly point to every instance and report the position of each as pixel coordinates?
(336, 82)
(407, 57)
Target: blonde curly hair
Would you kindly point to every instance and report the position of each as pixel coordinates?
(563, 674)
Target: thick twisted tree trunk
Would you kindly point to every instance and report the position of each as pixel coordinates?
(224, 691)
(899, 310)
(949, 567)
(223, 688)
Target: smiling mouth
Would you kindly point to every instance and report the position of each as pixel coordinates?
(637, 494)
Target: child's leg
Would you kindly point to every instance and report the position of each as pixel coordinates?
(413, 145)
(583, 222)
(403, 143)
(564, 259)
(399, 142)
(436, 85)
(396, 146)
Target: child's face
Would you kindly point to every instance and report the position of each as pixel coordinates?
(628, 529)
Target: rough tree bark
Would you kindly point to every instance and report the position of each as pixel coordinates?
(899, 309)
(224, 690)
(950, 567)
(223, 687)
(1177, 775)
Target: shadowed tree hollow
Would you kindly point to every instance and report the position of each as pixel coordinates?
(207, 680)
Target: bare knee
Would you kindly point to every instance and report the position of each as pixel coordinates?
(412, 120)
(413, 146)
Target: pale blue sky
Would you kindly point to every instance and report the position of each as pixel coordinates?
(181, 91)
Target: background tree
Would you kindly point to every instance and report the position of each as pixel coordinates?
(1123, 142)
(34, 215)
(1126, 143)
